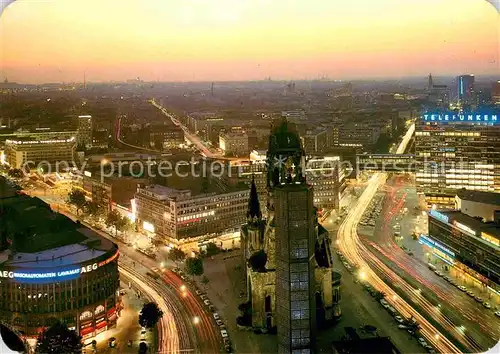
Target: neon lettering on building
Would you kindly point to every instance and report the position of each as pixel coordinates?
(441, 217)
(434, 244)
(465, 117)
(56, 275)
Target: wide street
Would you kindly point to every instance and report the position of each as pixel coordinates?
(358, 255)
(460, 308)
(186, 326)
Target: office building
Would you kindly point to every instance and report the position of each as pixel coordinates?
(294, 116)
(84, 131)
(53, 269)
(315, 141)
(296, 276)
(178, 216)
(45, 154)
(234, 144)
(465, 89)
(166, 136)
(455, 151)
(325, 173)
(107, 191)
(467, 239)
(495, 93)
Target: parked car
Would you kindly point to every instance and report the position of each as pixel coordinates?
(399, 319)
(487, 305)
(216, 316)
(422, 342)
(497, 313)
(198, 292)
(206, 302)
(223, 333)
(402, 326)
(463, 288)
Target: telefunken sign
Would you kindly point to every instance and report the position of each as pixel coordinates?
(469, 117)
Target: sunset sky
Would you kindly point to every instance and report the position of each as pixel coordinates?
(170, 40)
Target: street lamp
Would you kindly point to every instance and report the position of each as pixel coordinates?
(196, 320)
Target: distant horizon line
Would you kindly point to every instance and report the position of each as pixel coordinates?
(325, 79)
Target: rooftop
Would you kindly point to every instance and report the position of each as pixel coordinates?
(38, 237)
(474, 223)
(479, 196)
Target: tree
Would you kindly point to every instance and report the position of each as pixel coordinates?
(93, 209)
(194, 266)
(15, 173)
(143, 348)
(58, 339)
(119, 222)
(212, 249)
(379, 295)
(176, 255)
(150, 315)
(258, 261)
(77, 198)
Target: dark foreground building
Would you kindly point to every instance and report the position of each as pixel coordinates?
(53, 269)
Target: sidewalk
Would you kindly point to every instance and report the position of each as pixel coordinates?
(226, 282)
(127, 328)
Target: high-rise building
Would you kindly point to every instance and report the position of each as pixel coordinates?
(465, 89)
(295, 244)
(495, 93)
(295, 279)
(84, 132)
(455, 151)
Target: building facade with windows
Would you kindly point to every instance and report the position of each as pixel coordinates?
(55, 270)
(234, 144)
(455, 151)
(468, 239)
(84, 132)
(46, 153)
(177, 216)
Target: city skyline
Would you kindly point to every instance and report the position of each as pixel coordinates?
(246, 40)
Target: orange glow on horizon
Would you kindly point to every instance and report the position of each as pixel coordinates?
(246, 39)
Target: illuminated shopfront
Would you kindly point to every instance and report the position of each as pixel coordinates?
(83, 296)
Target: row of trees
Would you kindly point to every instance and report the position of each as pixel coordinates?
(113, 219)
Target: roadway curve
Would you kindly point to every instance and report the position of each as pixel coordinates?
(355, 251)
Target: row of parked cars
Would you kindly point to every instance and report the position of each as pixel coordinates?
(465, 290)
(206, 301)
(373, 211)
(409, 325)
(351, 269)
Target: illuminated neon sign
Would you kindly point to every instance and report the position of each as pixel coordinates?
(439, 216)
(49, 276)
(434, 244)
(468, 117)
(465, 228)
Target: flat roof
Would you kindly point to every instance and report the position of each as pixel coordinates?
(474, 223)
(41, 238)
(479, 196)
